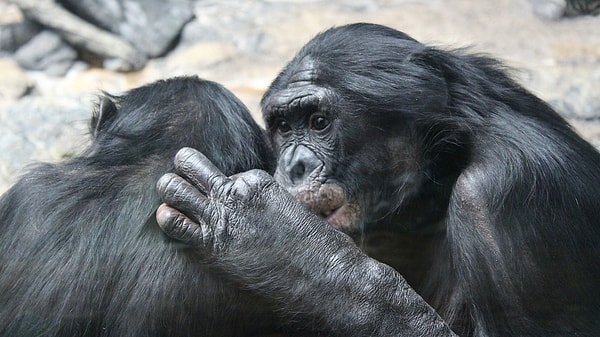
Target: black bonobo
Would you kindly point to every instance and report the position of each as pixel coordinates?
(474, 190)
(81, 253)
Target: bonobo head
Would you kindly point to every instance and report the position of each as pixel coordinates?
(147, 122)
(345, 117)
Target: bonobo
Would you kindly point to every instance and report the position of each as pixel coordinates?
(474, 190)
(81, 253)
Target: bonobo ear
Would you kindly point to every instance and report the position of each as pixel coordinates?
(450, 65)
(431, 69)
(431, 59)
(107, 109)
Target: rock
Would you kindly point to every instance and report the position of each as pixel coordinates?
(579, 102)
(198, 31)
(14, 35)
(15, 82)
(152, 26)
(549, 9)
(91, 82)
(7, 176)
(242, 19)
(244, 36)
(35, 127)
(556, 9)
(47, 52)
(199, 56)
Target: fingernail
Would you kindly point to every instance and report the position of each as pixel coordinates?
(163, 214)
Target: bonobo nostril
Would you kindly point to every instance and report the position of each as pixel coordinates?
(297, 172)
(298, 164)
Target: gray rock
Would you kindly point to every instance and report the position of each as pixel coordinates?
(34, 127)
(151, 26)
(579, 102)
(549, 9)
(199, 56)
(14, 35)
(47, 52)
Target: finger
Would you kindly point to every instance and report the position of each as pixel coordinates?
(179, 227)
(179, 193)
(198, 169)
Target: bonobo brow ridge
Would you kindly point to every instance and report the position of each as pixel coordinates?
(295, 98)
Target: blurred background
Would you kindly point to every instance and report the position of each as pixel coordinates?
(56, 57)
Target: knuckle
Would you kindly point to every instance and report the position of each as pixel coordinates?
(255, 180)
(187, 231)
(164, 183)
(179, 228)
(248, 189)
(221, 191)
(199, 236)
(241, 187)
(260, 176)
(177, 190)
(216, 182)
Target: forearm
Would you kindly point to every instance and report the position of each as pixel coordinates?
(369, 298)
(330, 282)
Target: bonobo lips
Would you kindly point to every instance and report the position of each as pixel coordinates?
(329, 201)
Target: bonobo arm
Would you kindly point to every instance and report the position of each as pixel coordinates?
(253, 229)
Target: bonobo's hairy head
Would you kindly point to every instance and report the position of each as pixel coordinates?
(156, 120)
(346, 115)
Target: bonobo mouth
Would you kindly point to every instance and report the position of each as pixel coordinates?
(329, 202)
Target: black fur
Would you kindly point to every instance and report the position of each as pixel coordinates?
(489, 199)
(80, 251)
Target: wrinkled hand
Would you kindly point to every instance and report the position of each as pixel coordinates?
(216, 204)
(246, 221)
(256, 231)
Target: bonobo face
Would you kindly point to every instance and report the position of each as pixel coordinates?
(307, 134)
(341, 165)
(306, 131)
(342, 116)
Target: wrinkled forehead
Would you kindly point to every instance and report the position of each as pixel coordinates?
(338, 59)
(298, 91)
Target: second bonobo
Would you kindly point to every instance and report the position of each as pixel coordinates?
(474, 190)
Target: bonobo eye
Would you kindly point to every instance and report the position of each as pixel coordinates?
(319, 122)
(282, 126)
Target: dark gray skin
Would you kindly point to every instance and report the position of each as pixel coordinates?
(226, 219)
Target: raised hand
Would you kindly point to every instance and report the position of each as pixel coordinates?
(256, 231)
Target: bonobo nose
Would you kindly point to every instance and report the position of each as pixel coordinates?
(297, 163)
